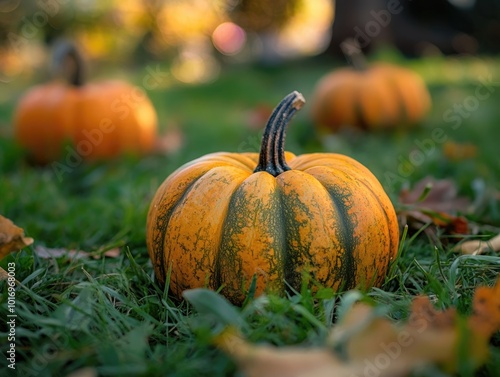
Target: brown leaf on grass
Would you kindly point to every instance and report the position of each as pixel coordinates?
(476, 247)
(11, 237)
(111, 253)
(442, 196)
(434, 202)
(169, 142)
(436, 334)
(268, 361)
(427, 338)
(49, 253)
(366, 343)
(4, 275)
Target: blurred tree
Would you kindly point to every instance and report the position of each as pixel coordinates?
(138, 30)
(419, 27)
(486, 18)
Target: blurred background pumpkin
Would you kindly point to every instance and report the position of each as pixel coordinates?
(370, 97)
(99, 120)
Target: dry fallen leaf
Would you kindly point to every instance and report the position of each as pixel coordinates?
(111, 253)
(366, 343)
(4, 275)
(428, 337)
(434, 202)
(11, 237)
(49, 253)
(442, 196)
(268, 361)
(476, 247)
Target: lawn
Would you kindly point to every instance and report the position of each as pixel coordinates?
(108, 313)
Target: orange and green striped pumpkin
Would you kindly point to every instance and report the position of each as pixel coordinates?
(224, 218)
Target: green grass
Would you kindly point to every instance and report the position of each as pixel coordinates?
(110, 314)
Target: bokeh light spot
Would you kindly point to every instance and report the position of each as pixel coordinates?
(228, 38)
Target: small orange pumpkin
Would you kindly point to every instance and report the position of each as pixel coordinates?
(101, 120)
(381, 96)
(223, 218)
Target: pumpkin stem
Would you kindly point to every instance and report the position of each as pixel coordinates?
(68, 62)
(272, 150)
(354, 54)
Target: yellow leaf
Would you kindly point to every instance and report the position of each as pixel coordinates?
(11, 237)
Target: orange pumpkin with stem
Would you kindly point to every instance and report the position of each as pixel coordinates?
(381, 96)
(224, 218)
(101, 120)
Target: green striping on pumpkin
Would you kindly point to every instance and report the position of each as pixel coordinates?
(225, 217)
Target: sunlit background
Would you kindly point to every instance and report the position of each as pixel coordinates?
(195, 36)
(198, 36)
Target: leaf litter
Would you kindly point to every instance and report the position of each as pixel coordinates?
(366, 342)
(12, 237)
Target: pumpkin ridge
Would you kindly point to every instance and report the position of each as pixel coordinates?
(290, 277)
(388, 222)
(195, 228)
(305, 213)
(216, 280)
(164, 219)
(251, 226)
(385, 228)
(345, 233)
(283, 251)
